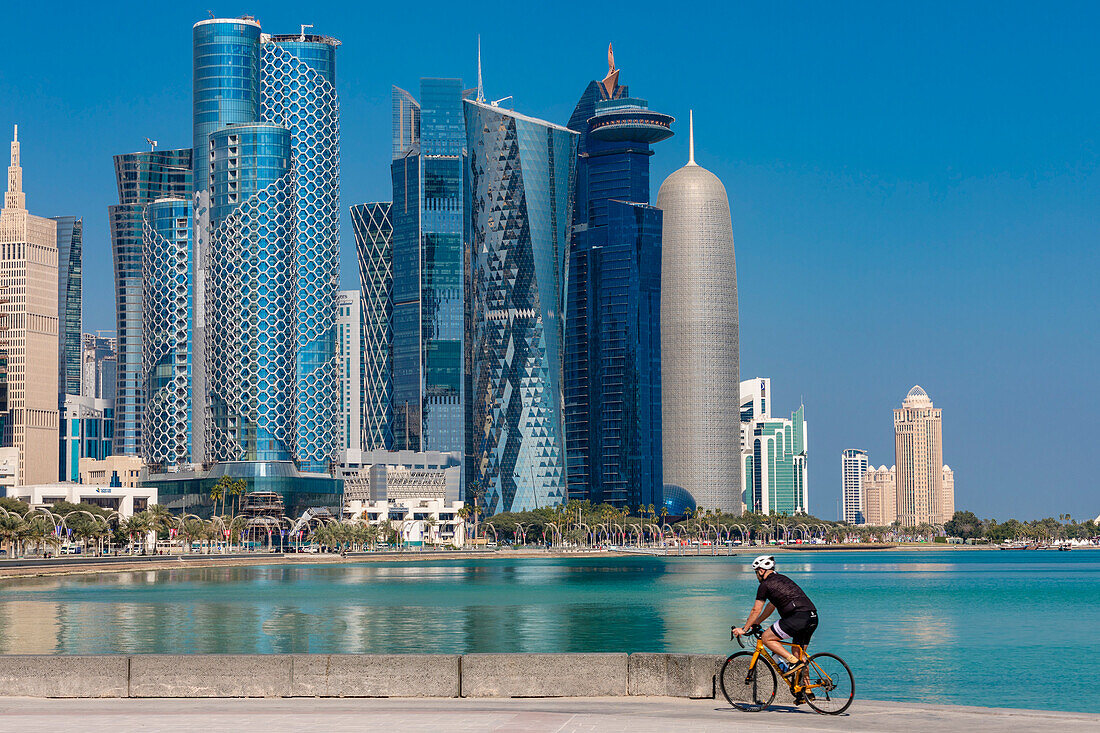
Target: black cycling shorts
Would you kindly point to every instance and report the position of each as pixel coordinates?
(798, 627)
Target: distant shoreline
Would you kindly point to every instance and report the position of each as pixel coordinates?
(88, 566)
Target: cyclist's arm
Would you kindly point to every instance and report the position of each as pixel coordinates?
(758, 613)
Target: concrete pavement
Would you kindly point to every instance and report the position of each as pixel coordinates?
(519, 715)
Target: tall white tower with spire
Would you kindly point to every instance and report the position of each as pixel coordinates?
(700, 372)
(28, 266)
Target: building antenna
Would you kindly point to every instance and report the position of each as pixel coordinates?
(152, 144)
(480, 86)
(691, 137)
(302, 33)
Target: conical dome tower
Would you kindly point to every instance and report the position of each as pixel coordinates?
(700, 374)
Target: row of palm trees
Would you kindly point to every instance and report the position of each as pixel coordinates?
(580, 523)
(47, 529)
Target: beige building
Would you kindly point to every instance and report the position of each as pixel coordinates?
(948, 492)
(880, 497)
(918, 453)
(125, 470)
(28, 279)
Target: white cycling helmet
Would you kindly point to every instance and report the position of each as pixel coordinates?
(764, 562)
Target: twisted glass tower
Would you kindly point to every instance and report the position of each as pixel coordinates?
(167, 296)
(142, 178)
(374, 249)
(70, 235)
(522, 181)
(700, 383)
(298, 91)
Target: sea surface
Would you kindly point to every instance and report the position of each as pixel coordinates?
(969, 627)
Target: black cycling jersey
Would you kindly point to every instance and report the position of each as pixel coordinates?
(784, 594)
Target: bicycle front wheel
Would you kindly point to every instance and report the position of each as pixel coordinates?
(750, 690)
(830, 686)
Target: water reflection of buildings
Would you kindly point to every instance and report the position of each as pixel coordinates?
(29, 627)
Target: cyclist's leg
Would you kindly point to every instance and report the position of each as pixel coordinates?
(771, 638)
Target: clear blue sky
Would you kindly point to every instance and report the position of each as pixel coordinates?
(914, 185)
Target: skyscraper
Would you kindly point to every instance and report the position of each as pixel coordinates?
(918, 452)
(70, 235)
(256, 84)
(298, 91)
(699, 339)
(853, 465)
(98, 366)
(613, 339)
(522, 173)
(374, 250)
(774, 474)
(167, 297)
(429, 228)
(349, 352)
(226, 73)
(28, 268)
(251, 316)
(142, 178)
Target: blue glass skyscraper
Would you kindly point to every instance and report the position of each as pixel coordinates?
(613, 338)
(70, 235)
(142, 178)
(251, 328)
(429, 173)
(252, 83)
(226, 90)
(522, 173)
(167, 297)
(298, 91)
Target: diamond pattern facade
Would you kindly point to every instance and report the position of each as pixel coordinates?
(374, 248)
(166, 353)
(298, 91)
(522, 181)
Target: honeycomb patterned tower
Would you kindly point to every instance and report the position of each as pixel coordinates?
(251, 333)
(166, 330)
(298, 91)
(374, 249)
(522, 176)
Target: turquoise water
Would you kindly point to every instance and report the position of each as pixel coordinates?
(966, 627)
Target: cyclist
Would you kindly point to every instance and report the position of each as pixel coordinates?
(797, 614)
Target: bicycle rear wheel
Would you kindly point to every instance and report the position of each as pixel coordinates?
(830, 682)
(745, 689)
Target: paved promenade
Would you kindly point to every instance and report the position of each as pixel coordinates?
(630, 715)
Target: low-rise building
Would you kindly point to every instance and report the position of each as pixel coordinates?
(111, 471)
(9, 469)
(418, 493)
(126, 500)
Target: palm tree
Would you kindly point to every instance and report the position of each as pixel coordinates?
(237, 488)
(431, 522)
(140, 524)
(218, 490)
(11, 530)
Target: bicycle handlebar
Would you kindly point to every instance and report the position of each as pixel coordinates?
(756, 631)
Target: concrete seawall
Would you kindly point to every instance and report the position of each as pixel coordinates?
(363, 675)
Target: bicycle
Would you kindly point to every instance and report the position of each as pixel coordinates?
(748, 679)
